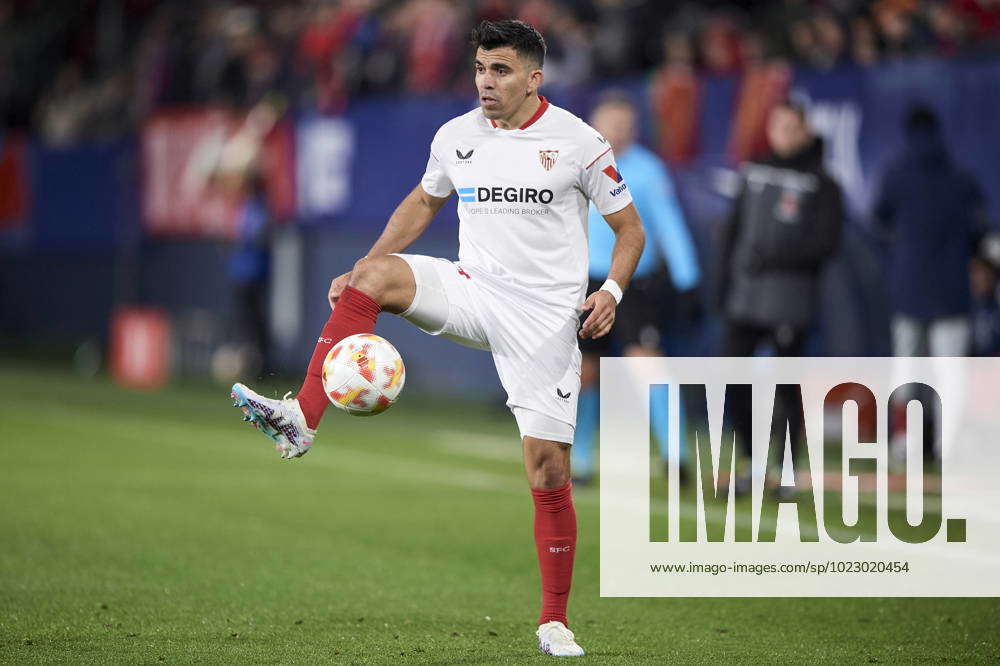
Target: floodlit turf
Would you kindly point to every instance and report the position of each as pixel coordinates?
(159, 528)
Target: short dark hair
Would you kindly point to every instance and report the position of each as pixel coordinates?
(615, 97)
(523, 38)
(921, 118)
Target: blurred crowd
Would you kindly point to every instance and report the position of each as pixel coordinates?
(94, 68)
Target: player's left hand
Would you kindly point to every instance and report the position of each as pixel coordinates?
(601, 305)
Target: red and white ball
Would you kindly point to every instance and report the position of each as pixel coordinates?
(363, 374)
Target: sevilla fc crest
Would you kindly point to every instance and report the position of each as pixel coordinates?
(548, 158)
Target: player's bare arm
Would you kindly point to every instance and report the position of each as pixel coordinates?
(629, 242)
(410, 219)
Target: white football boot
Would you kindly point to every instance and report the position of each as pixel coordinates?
(555, 639)
(281, 420)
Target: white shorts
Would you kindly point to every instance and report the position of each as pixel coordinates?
(533, 343)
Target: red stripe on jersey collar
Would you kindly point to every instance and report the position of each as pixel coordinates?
(533, 119)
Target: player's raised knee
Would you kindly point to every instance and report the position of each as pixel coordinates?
(387, 279)
(369, 275)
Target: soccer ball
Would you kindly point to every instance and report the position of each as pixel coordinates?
(363, 374)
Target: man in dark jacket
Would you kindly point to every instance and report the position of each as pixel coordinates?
(784, 225)
(931, 212)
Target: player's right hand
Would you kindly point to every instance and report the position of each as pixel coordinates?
(337, 288)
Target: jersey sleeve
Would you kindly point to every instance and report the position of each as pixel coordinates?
(662, 214)
(435, 181)
(603, 184)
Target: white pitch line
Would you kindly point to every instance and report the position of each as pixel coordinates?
(485, 447)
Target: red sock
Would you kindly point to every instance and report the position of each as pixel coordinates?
(355, 313)
(555, 539)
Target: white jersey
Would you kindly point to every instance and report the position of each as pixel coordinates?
(523, 196)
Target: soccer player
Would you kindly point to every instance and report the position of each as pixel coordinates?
(524, 171)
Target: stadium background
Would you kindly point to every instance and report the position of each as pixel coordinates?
(106, 105)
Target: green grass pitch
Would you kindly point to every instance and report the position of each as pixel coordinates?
(141, 528)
